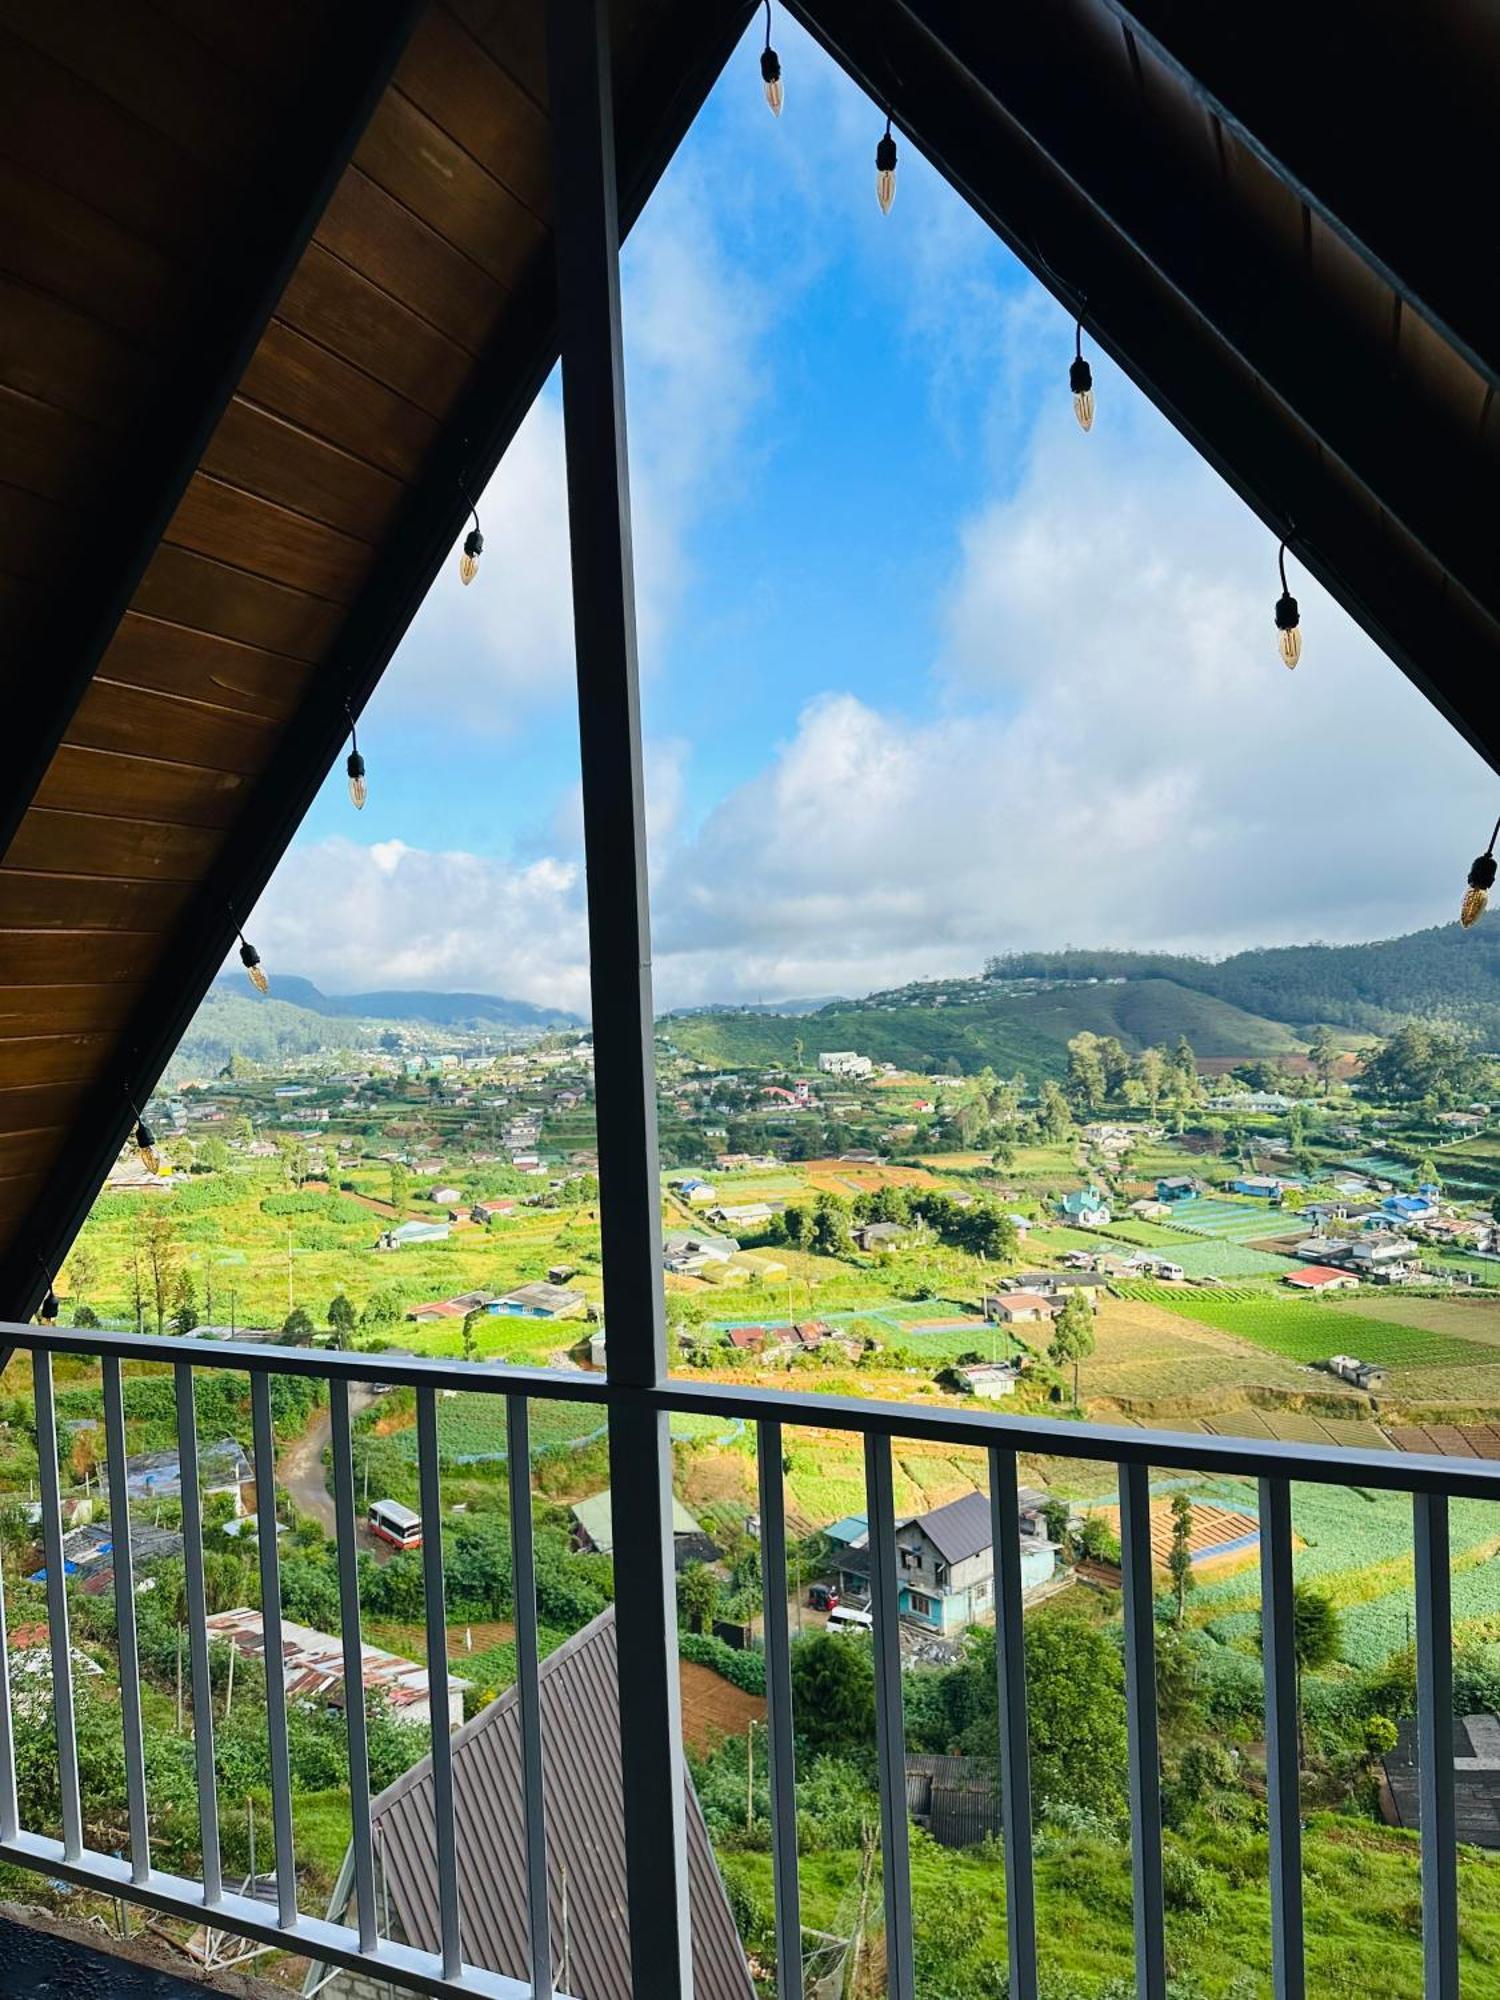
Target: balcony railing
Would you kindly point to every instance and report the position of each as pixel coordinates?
(1430, 1482)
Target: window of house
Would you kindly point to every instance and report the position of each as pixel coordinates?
(921, 1605)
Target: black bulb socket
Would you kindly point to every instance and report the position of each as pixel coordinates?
(356, 765)
(1080, 377)
(770, 66)
(474, 543)
(1482, 874)
(1287, 619)
(885, 155)
(249, 956)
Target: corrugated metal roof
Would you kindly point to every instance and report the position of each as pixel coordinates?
(961, 1529)
(585, 1838)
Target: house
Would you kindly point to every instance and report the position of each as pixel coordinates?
(744, 1215)
(1383, 1259)
(313, 1663)
(945, 1564)
(458, 1307)
(1087, 1206)
(1177, 1187)
(1020, 1308)
(585, 1854)
(88, 1555)
(1149, 1211)
(1321, 1278)
(1056, 1284)
(689, 1252)
(491, 1211)
(540, 1301)
(989, 1380)
(1264, 1187)
(880, 1235)
(1149, 1264)
(1412, 1207)
(955, 1799)
(1476, 1780)
(852, 1531)
(593, 1531)
(1321, 1249)
(442, 1196)
(598, 1351)
(1363, 1374)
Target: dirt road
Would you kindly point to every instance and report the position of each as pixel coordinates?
(300, 1472)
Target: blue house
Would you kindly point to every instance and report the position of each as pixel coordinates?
(1177, 1187)
(1088, 1205)
(1412, 1207)
(946, 1564)
(1265, 1187)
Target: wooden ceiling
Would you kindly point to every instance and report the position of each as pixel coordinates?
(276, 284)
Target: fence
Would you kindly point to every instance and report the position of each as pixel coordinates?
(1275, 1464)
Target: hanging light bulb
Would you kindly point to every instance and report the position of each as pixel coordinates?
(1288, 622)
(359, 790)
(250, 959)
(1081, 382)
(1481, 881)
(885, 169)
(770, 71)
(468, 562)
(145, 1145)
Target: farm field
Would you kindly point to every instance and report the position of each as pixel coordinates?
(1307, 1330)
(1146, 1354)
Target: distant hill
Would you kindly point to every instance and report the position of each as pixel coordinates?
(448, 1010)
(976, 1024)
(1445, 974)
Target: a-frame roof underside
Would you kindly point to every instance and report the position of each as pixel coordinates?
(276, 281)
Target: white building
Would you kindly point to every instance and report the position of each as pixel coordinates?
(844, 1062)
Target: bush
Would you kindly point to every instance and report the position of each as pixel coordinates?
(743, 1670)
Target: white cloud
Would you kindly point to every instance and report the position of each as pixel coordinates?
(353, 918)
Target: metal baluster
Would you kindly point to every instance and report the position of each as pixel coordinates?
(529, 1691)
(1283, 1773)
(1140, 1719)
(773, 1577)
(264, 1435)
(10, 1815)
(197, 1609)
(437, 1680)
(59, 1637)
(1435, 1747)
(1015, 1746)
(890, 1743)
(354, 1664)
(130, 1672)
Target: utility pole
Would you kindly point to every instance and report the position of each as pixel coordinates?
(179, 1680)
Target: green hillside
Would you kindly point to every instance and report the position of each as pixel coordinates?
(978, 1025)
(1445, 974)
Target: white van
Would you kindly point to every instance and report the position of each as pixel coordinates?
(848, 1619)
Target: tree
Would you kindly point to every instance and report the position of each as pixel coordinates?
(470, 1335)
(400, 1185)
(833, 1694)
(1087, 1080)
(1053, 1114)
(697, 1597)
(1317, 1637)
(297, 1327)
(1423, 1064)
(1180, 1551)
(1151, 1070)
(341, 1318)
(1072, 1336)
(184, 1304)
(82, 1274)
(1323, 1054)
(1075, 1709)
(1427, 1173)
(830, 1226)
(158, 1248)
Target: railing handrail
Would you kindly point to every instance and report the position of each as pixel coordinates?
(1050, 1437)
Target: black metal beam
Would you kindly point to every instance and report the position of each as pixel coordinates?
(1168, 348)
(129, 515)
(650, 125)
(1266, 304)
(586, 236)
(1317, 92)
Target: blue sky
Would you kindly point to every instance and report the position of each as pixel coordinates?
(927, 672)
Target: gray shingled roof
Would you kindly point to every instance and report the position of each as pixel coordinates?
(581, 1759)
(961, 1529)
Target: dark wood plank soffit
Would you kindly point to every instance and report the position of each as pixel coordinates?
(117, 535)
